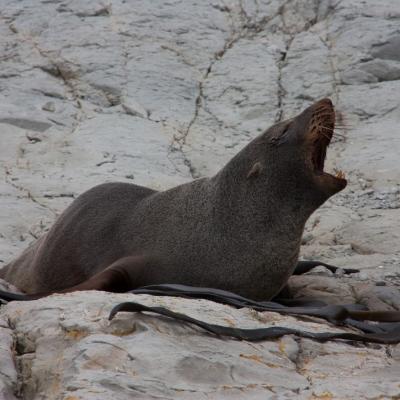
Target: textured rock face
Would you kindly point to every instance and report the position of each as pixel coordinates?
(66, 348)
(158, 93)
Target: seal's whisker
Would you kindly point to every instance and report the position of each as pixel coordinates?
(319, 130)
(324, 134)
(333, 131)
(341, 117)
(342, 126)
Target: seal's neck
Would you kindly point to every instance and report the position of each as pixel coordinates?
(255, 221)
(268, 202)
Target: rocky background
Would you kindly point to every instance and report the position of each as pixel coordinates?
(158, 93)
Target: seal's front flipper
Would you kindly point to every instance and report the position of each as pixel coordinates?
(286, 297)
(305, 266)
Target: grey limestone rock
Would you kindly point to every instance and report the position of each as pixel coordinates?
(161, 92)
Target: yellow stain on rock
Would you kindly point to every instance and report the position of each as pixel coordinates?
(322, 396)
(123, 332)
(229, 321)
(258, 359)
(75, 334)
(282, 347)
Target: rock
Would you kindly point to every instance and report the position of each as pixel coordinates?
(329, 289)
(63, 353)
(132, 107)
(387, 49)
(383, 70)
(163, 92)
(36, 126)
(8, 370)
(49, 106)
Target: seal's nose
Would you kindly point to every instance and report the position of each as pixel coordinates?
(323, 110)
(321, 106)
(324, 102)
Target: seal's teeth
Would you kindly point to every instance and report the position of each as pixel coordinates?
(340, 174)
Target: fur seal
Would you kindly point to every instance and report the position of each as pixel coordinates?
(239, 230)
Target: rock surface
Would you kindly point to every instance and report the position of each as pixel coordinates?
(79, 354)
(158, 93)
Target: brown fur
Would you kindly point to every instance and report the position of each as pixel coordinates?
(228, 231)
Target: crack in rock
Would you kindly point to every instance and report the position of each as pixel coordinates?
(56, 69)
(248, 28)
(27, 192)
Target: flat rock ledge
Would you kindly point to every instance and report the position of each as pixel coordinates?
(64, 347)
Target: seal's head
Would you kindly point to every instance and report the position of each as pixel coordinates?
(263, 197)
(310, 133)
(298, 147)
(285, 164)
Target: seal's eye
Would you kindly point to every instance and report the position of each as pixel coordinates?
(285, 130)
(255, 170)
(280, 135)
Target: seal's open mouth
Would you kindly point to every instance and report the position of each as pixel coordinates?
(321, 130)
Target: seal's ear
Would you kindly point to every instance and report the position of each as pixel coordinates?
(255, 170)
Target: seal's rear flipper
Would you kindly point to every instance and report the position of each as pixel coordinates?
(10, 296)
(125, 274)
(108, 280)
